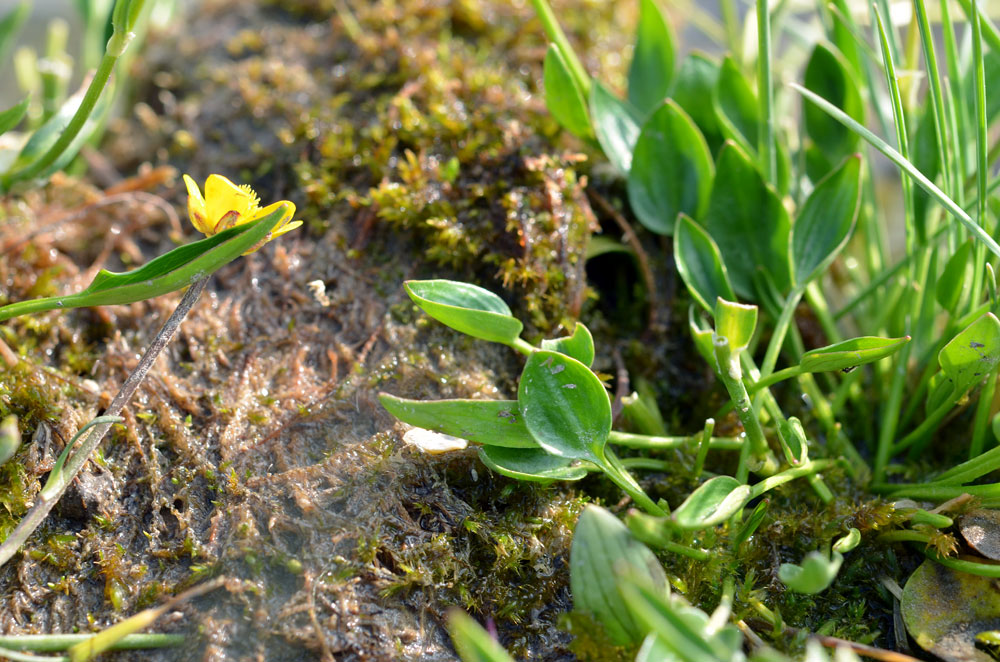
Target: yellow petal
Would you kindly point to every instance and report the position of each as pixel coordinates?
(196, 206)
(286, 228)
(223, 197)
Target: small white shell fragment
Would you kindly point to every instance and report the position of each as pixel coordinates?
(432, 442)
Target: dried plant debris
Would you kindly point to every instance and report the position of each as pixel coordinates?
(945, 610)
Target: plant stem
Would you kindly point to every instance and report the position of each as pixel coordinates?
(632, 440)
(614, 470)
(54, 490)
(780, 330)
(703, 446)
(732, 377)
(983, 409)
(771, 482)
(765, 93)
(49, 643)
(523, 346)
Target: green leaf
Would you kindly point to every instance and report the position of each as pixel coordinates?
(580, 345)
(48, 133)
(565, 406)
(849, 541)
(825, 222)
(563, 96)
(492, 422)
(671, 171)
(616, 125)
(701, 334)
(10, 25)
(693, 91)
(700, 264)
(531, 464)
(685, 631)
(715, 501)
(851, 353)
(828, 75)
(603, 552)
(952, 288)
(467, 308)
(13, 115)
(748, 222)
(736, 322)
(815, 574)
(473, 643)
(166, 273)
(737, 107)
(652, 67)
(972, 354)
(655, 649)
(792, 439)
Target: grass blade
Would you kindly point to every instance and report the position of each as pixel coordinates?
(905, 166)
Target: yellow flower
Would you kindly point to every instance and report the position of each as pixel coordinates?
(226, 205)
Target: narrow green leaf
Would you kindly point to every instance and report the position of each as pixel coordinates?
(616, 125)
(701, 334)
(908, 168)
(10, 25)
(48, 133)
(748, 222)
(652, 67)
(13, 115)
(715, 501)
(735, 322)
(828, 75)
(167, 273)
(604, 552)
(793, 441)
(563, 96)
(849, 354)
(467, 308)
(679, 631)
(473, 643)
(693, 91)
(493, 422)
(700, 264)
(580, 345)
(737, 107)
(565, 406)
(825, 222)
(815, 574)
(853, 538)
(972, 354)
(671, 171)
(530, 464)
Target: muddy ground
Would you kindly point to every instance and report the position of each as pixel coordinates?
(413, 140)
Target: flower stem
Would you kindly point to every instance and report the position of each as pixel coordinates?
(57, 485)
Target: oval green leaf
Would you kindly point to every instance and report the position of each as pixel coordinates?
(972, 354)
(532, 464)
(815, 574)
(952, 287)
(944, 610)
(565, 406)
(737, 107)
(563, 96)
(467, 308)
(700, 264)
(825, 222)
(828, 75)
(616, 125)
(493, 422)
(748, 222)
(693, 90)
(603, 552)
(715, 501)
(652, 67)
(167, 273)
(672, 170)
(851, 353)
(580, 345)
